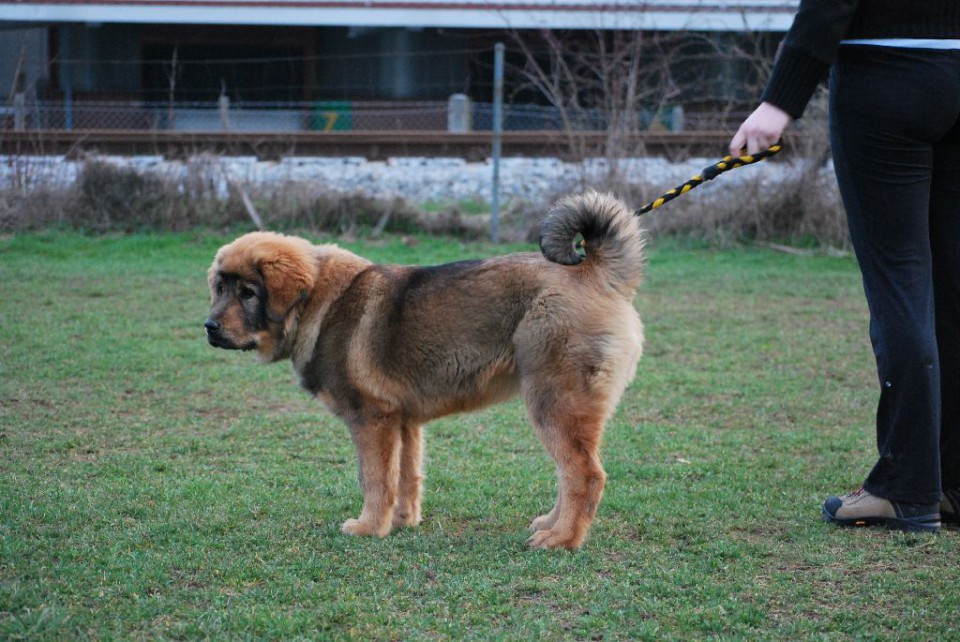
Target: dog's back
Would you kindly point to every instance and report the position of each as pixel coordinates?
(441, 339)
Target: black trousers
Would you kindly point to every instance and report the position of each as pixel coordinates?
(895, 136)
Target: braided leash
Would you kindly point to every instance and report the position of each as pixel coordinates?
(710, 173)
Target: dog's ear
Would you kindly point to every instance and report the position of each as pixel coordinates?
(288, 268)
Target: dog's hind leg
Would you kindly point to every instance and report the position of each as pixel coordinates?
(573, 439)
(546, 522)
(407, 509)
(378, 447)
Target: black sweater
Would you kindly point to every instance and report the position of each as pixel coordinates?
(810, 46)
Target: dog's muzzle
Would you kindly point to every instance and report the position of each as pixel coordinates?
(217, 340)
(213, 334)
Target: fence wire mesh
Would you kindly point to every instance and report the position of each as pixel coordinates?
(326, 116)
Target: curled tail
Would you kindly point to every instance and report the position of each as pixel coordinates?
(613, 241)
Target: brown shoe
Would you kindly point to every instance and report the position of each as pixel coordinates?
(860, 508)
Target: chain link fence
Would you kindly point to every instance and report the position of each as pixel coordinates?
(456, 114)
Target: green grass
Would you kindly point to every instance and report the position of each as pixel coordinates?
(152, 487)
(467, 206)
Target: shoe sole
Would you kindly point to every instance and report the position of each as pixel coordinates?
(920, 524)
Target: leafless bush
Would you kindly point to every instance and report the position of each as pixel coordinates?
(802, 207)
(114, 198)
(791, 198)
(799, 205)
(39, 209)
(119, 198)
(297, 205)
(625, 82)
(794, 199)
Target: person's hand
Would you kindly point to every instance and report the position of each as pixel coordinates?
(760, 130)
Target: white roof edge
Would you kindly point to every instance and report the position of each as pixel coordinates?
(679, 15)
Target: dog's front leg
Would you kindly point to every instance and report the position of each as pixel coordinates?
(378, 453)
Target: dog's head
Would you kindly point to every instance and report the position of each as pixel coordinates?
(257, 285)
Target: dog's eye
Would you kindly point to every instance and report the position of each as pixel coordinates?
(247, 293)
(219, 289)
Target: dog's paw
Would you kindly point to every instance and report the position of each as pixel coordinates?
(554, 539)
(544, 522)
(403, 519)
(357, 527)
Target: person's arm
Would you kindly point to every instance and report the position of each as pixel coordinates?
(808, 50)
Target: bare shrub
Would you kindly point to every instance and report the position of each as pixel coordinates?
(623, 82)
(39, 209)
(106, 197)
(792, 198)
(117, 198)
(791, 202)
(294, 205)
(801, 207)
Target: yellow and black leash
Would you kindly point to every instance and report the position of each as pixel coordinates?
(710, 173)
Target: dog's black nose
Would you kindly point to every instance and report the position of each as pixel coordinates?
(211, 325)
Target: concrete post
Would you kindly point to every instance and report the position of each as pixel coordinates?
(459, 115)
(224, 106)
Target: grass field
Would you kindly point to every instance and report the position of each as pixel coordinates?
(154, 488)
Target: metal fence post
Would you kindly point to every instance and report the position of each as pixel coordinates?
(66, 76)
(497, 135)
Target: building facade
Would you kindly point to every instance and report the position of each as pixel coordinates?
(340, 52)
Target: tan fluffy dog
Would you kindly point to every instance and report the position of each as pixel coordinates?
(389, 348)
